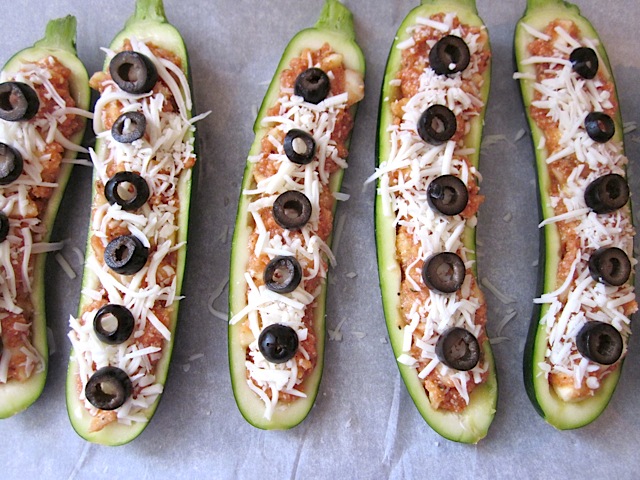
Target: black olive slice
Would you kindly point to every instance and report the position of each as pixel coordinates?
(458, 348)
(449, 55)
(584, 62)
(599, 342)
(18, 101)
(607, 193)
(10, 164)
(108, 388)
(599, 126)
(4, 226)
(299, 146)
(443, 272)
(292, 210)
(448, 195)
(113, 324)
(282, 274)
(278, 343)
(125, 255)
(138, 197)
(129, 127)
(313, 85)
(610, 266)
(437, 124)
(133, 72)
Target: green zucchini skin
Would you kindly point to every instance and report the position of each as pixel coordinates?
(471, 425)
(147, 24)
(335, 26)
(558, 413)
(59, 41)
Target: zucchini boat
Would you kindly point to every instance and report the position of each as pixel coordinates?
(44, 97)
(579, 331)
(123, 335)
(285, 214)
(429, 131)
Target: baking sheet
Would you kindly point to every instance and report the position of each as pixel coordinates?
(364, 424)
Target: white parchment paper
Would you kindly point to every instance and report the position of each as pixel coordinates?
(364, 424)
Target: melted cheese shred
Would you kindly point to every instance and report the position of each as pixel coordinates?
(269, 380)
(403, 179)
(163, 157)
(567, 98)
(26, 230)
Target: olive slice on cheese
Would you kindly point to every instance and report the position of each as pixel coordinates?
(113, 324)
(18, 101)
(458, 348)
(448, 195)
(133, 72)
(108, 388)
(607, 193)
(129, 127)
(136, 188)
(11, 164)
(126, 255)
(443, 272)
(278, 343)
(610, 266)
(449, 55)
(299, 146)
(282, 274)
(313, 85)
(600, 343)
(437, 124)
(599, 126)
(584, 62)
(292, 210)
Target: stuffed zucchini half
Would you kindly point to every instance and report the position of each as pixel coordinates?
(123, 335)
(430, 126)
(579, 332)
(44, 97)
(284, 222)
